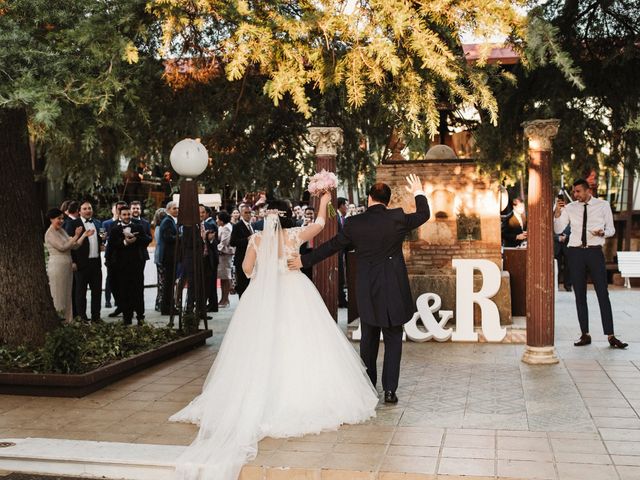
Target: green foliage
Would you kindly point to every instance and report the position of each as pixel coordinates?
(543, 47)
(592, 89)
(79, 348)
(190, 323)
(62, 350)
(79, 67)
(408, 51)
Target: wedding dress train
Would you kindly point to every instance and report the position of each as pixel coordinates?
(284, 369)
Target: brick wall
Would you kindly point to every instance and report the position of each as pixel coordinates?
(452, 187)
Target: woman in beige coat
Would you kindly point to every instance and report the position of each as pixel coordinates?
(60, 267)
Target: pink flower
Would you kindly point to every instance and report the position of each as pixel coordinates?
(321, 182)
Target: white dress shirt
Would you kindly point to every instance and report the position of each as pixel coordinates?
(94, 249)
(599, 217)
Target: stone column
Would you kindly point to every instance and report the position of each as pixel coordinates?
(326, 141)
(540, 271)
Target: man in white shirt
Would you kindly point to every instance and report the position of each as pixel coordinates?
(87, 264)
(591, 221)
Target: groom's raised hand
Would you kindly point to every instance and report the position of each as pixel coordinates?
(294, 263)
(415, 185)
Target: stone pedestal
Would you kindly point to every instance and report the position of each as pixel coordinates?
(540, 282)
(325, 274)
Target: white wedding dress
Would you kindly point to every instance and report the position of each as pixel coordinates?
(284, 369)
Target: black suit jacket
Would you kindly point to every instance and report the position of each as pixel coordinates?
(382, 285)
(168, 237)
(80, 255)
(239, 239)
(212, 246)
(125, 257)
(511, 228)
(146, 226)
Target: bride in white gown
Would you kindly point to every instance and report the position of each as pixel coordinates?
(284, 369)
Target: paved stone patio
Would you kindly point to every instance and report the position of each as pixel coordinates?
(465, 409)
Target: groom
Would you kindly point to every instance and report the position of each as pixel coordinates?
(382, 289)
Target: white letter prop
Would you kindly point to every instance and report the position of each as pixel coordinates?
(425, 313)
(466, 297)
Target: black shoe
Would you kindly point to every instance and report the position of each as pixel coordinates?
(615, 343)
(116, 313)
(390, 397)
(97, 320)
(585, 339)
(568, 288)
(343, 305)
(107, 305)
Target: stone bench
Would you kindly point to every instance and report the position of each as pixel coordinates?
(629, 266)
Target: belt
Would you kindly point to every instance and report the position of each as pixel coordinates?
(588, 246)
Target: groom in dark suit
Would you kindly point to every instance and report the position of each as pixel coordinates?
(382, 287)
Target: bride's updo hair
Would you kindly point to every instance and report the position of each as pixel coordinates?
(286, 215)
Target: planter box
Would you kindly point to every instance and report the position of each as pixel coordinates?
(79, 385)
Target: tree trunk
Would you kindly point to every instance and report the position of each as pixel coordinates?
(26, 307)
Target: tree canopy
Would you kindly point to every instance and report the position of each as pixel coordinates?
(599, 113)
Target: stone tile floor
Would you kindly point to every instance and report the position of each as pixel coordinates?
(465, 409)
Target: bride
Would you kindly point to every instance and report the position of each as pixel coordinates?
(284, 369)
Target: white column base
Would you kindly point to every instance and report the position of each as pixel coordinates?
(540, 355)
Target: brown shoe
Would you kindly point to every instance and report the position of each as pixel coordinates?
(584, 340)
(615, 343)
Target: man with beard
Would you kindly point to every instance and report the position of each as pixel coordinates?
(128, 249)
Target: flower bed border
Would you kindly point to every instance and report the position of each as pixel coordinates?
(79, 385)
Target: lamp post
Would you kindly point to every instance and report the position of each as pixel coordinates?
(189, 158)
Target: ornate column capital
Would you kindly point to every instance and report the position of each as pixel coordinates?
(540, 133)
(325, 139)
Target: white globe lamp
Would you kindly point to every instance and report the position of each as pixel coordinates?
(189, 158)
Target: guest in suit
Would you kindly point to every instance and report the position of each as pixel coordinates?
(307, 247)
(59, 264)
(514, 227)
(70, 209)
(88, 264)
(157, 255)
(107, 225)
(168, 238)
(382, 287)
(240, 234)
(209, 231)
(129, 244)
(342, 256)
(71, 213)
(136, 217)
(225, 254)
(560, 253)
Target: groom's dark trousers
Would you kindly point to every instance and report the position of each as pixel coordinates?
(382, 286)
(369, 344)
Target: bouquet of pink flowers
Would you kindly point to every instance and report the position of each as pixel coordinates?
(322, 182)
